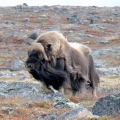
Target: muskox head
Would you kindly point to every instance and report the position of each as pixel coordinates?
(36, 58)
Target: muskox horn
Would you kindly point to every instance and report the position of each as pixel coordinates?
(39, 47)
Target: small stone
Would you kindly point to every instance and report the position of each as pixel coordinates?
(26, 20)
(33, 36)
(104, 42)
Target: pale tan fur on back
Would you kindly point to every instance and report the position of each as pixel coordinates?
(61, 48)
(54, 38)
(80, 47)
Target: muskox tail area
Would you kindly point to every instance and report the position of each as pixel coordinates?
(53, 76)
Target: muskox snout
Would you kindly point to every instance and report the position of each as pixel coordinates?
(29, 66)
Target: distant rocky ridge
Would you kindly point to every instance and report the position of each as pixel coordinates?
(97, 27)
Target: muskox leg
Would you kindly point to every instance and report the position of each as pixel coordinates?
(51, 87)
(45, 88)
(94, 92)
(91, 88)
(93, 76)
(62, 90)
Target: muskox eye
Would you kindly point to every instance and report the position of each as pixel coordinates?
(29, 65)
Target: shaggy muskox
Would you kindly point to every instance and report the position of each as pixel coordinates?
(60, 64)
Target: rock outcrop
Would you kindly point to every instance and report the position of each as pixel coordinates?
(109, 105)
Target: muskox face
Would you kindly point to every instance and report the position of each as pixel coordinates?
(34, 62)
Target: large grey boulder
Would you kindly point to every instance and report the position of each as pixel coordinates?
(109, 105)
(23, 89)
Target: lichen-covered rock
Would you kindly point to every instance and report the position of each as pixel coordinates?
(33, 36)
(72, 114)
(79, 113)
(52, 116)
(34, 91)
(17, 65)
(25, 90)
(109, 105)
(67, 104)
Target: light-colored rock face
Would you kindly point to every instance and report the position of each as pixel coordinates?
(78, 113)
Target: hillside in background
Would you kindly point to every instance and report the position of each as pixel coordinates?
(97, 27)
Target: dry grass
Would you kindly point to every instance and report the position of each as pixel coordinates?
(88, 100)
(110, 81)
(22, 109)
(112, 61)
(26, 109)
(94, 32)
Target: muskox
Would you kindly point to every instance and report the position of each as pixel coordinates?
(60, 64)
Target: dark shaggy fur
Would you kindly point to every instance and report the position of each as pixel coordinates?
(45, 71)
(53, 74)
